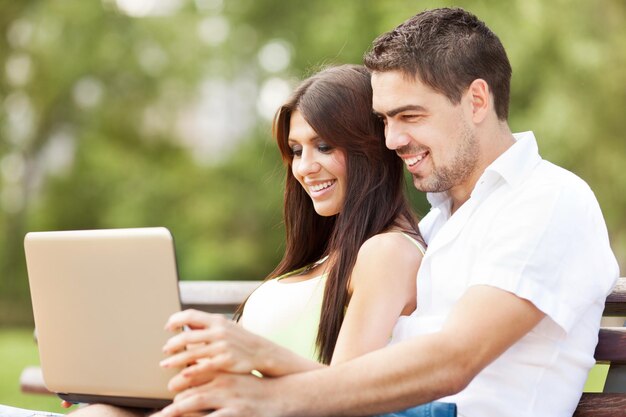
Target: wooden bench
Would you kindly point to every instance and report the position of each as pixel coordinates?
(225, 296)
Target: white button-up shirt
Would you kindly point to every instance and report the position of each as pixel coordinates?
(535, 230)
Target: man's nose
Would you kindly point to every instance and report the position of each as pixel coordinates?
(395, 136)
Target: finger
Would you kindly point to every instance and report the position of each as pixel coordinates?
(181, 382)
(201, 401)
(182, 340)
(206, 366)
(186, 357)
(194, 337)
(188, 393)
(196, 354)
(66, 404)
(204, 371)
(191, 318)
(218, 363)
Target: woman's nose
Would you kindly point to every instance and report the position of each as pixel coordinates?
(308, 163)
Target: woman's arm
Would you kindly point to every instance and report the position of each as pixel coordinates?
(383, 287)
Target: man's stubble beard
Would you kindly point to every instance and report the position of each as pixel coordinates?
(463, 164)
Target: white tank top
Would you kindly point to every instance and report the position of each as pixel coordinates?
(288, 313)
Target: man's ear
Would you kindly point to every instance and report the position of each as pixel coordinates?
(480, 99)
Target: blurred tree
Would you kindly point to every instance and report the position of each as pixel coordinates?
(127, 113)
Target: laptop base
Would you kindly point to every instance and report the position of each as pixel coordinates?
(134, 402)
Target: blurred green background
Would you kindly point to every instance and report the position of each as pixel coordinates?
(128, 113)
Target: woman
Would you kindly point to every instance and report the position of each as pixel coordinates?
(352, 252)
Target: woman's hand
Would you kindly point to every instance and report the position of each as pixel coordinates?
(215, 345)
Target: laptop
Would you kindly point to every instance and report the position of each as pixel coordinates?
(100, 300)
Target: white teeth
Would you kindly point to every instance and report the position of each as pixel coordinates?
(414, 160)
(321, 186)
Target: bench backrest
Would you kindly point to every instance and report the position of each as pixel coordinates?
(611, 349)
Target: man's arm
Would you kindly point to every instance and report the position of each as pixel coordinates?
(485, 322)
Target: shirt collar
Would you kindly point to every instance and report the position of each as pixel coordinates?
(512, 166)
(515, 163)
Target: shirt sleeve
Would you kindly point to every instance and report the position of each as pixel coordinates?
(549, 245)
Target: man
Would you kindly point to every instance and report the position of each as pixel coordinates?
(512, 287)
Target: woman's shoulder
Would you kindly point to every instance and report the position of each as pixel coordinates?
(390, 243)
(383, 255)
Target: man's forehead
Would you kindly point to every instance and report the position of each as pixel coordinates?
(394, 88)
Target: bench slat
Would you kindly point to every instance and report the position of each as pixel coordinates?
(216, 292)
(601, 405)
(616, 302)
(31, 381)
(215, 296)
(611, 345)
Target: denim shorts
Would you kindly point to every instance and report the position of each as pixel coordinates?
(434, 409)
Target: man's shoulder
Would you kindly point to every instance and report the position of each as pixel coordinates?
(548, 179)
(550, 196)
(551, 173)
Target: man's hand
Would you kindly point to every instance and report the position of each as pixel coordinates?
(229, 395)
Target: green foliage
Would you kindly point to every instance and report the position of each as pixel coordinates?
(18, 350)
(109, 120)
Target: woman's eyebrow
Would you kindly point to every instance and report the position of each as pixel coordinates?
(311, 139)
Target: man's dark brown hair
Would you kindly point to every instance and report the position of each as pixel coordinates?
(447, 49)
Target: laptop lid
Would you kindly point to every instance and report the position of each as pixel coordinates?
(100, 301)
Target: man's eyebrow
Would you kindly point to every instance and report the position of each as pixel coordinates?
(393, 112)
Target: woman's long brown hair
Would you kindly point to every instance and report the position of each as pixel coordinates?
(337, 104)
